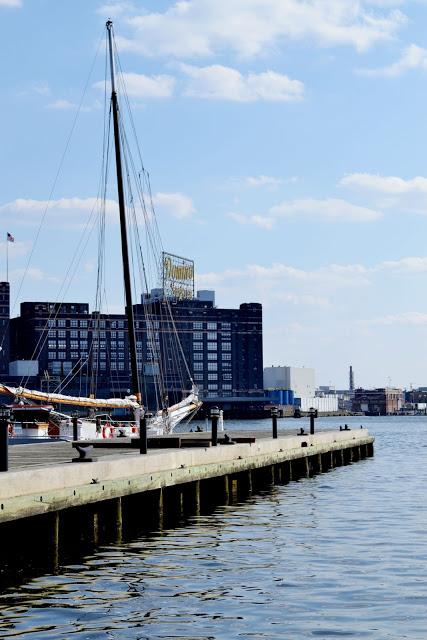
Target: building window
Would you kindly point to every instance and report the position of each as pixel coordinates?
(74, 334)
(120, 324)
(121, 344)
(113, 355)
(226, 365)
(212, 335)
(113, 366)
(198, 356)
(102, 324)
(226, 326)
(113, 333)
(226, 356)
(74, 344)
(62, 333)
(83, 344)
(102, 355)
(102, 366)
(74, 355)
(212, 376)
(61, 323)
(197, 346)
(51, 323)
(51, 344)
(51, 355)
(197, 325)
(226, 335)
(121, 366)
(211, 326)
(83, 323)
(74, 323)
(52, 333)
(113, 345)
(226, 386)
(198, 377)
(226, 346)
(61, 355)
(212, 346)
(121, 355)
(83, 334)
(213, 387)
(212, 366)
(197, 335)
(212, 356)
(102, 344)
(62, 344)
(121, 334)
(227, 376)
(102, 334)
(198, 366)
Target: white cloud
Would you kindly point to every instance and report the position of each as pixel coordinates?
(64, 212)
(114, 9)
(250, 27)
(391, 192)
(412, 318)
(259, 221)
(263, 181)
(177, 205)
(60, 104)
(11, 3)
(217, 82)
(413, 57)
(391, 185)
(415, 264)
(33, 273)
(329, 210)
(142, 86)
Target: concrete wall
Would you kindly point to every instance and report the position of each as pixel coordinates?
(327, 404)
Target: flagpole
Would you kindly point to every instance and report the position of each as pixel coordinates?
(7, 258)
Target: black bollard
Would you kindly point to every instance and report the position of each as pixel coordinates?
(214, 418)
(312, 414)
(4, 440)
(74, 421)
(274, 414)
(143, 435)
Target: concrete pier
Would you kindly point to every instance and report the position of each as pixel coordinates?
(49, 506)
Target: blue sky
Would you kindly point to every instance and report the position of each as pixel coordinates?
(286, 143)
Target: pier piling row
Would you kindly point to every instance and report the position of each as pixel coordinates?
(81, 505)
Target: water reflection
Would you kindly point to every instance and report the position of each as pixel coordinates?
(343, 554)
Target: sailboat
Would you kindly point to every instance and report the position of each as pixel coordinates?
(165, 418)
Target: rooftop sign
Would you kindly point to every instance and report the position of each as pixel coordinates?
(177, 277)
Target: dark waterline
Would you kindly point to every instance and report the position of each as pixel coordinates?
(343, 554)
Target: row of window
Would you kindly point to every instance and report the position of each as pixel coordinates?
(212, 346)
(213, 376)
(213, 326)
(62, 322)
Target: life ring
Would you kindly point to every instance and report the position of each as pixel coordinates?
(133, 430)
(107, 431)
(10, 430)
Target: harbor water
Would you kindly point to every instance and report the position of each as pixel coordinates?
(340, 555)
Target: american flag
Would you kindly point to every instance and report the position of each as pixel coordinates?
(10, 237)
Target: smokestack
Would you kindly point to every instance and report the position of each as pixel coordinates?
(351, 379)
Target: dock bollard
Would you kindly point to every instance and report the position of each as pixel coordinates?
(274, 414)
(214, 418)
(313, 414)
(75, 423)
(143, 435)
(4, 439)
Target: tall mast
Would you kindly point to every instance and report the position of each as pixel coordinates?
(123, 229)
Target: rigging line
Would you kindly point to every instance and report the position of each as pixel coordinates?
(55, 181)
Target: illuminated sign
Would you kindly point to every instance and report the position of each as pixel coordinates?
(177, 277)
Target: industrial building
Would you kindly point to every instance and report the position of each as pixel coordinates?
(300, 379)
(378, 402)
(65, 346)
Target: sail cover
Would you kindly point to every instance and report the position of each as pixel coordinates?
(59, 398)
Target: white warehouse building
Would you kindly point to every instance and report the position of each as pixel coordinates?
(299, 379)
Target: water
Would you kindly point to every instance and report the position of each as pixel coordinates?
(341, 555)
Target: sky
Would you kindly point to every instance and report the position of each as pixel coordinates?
(286, 142)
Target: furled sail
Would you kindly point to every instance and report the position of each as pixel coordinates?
(58, 398)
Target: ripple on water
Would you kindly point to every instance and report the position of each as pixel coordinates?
(342, 555)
